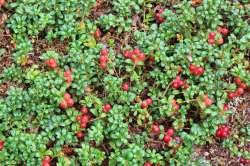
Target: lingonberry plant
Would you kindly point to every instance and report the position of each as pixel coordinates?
(135, 82)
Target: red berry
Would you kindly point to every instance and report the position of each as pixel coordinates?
(147, 164)
(141, 56)
(2, 2)
(1, 144)
(47, 159)
(156, 129)
(70, 102)
(225, 107)
(211, 41)
(45, 164)
(192, 68)
(175, 85)
(125, 86)
(170, 132)
(219, 29)
(83, 125)
(137, 51)
(199, 71)
(231, 95)
(98, 33)
(84, 110)
(103, 59)
(185, 86)
(67, 96)
(220, 41)
(180, 83)
(103, 65)
(223, 132)
(149, 101)
(67, 73)
(79, 134)
(51, 63)
(63, 104)
(211, 35)
(208, 101)
(104, 52)
(107, 108)
(175, 105)
(144, 104)
(167, 139)
(237, 80)
(85, 119)
(239, 91)
(243, 86)
(224, 31)
(127, 54)
(78, 118)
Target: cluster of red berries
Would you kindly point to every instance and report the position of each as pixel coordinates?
(103, 59)
(167, 136)
(177, 83)
(212, 35)
(136, 55)
(68, 76)
(1, 144)
(239, 91)
(207, 101)
(244, 161)
(146, 103)
(223, 132)
(106, 108)
(67, 101)
(125, 86)
(159, 19)
(83, 119)
(175, 105)
(196, 70)
(51, 63)
(46, 161)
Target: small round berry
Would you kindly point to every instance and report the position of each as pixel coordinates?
(144, 105)
(167, 139)
(103, 59)
(156, 129)
(107, 108)
(170, 132)
(125, 86)
(149, 101)
(104, 52)
(67, 96)
(84, 110)
(63, 104)
(147, 164)
(79, 134)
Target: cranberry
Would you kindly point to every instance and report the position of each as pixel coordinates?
(211, 35)
(47, 159)
(84, 119)
(144, 104)
(220, 41)
(243, 86)
(185, 86)
(67, 96)
(147, 164)
(237, 80)
(167, 139)
(222, 132)
(239, 91)
(103, 65)
(170, 132)
(199, 71)
(103, 59)
(175, 105)
(70, 102)
(107, 108)
(127, 54)
(84, 110)
(83, 125)
(175, 85)
(231, 95)
(63, 104)
(225, 107)
(125, 86)
(1, 144)
(67, 73)
(98, 33)
(156, 129)
(224, 31)
(149, 101)
(78, 118)
(208, 101)
(137, 51)
(51, 63)
(211, 41)
(79, 134)
(141, 56)
(104, 52)
(192, 68)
